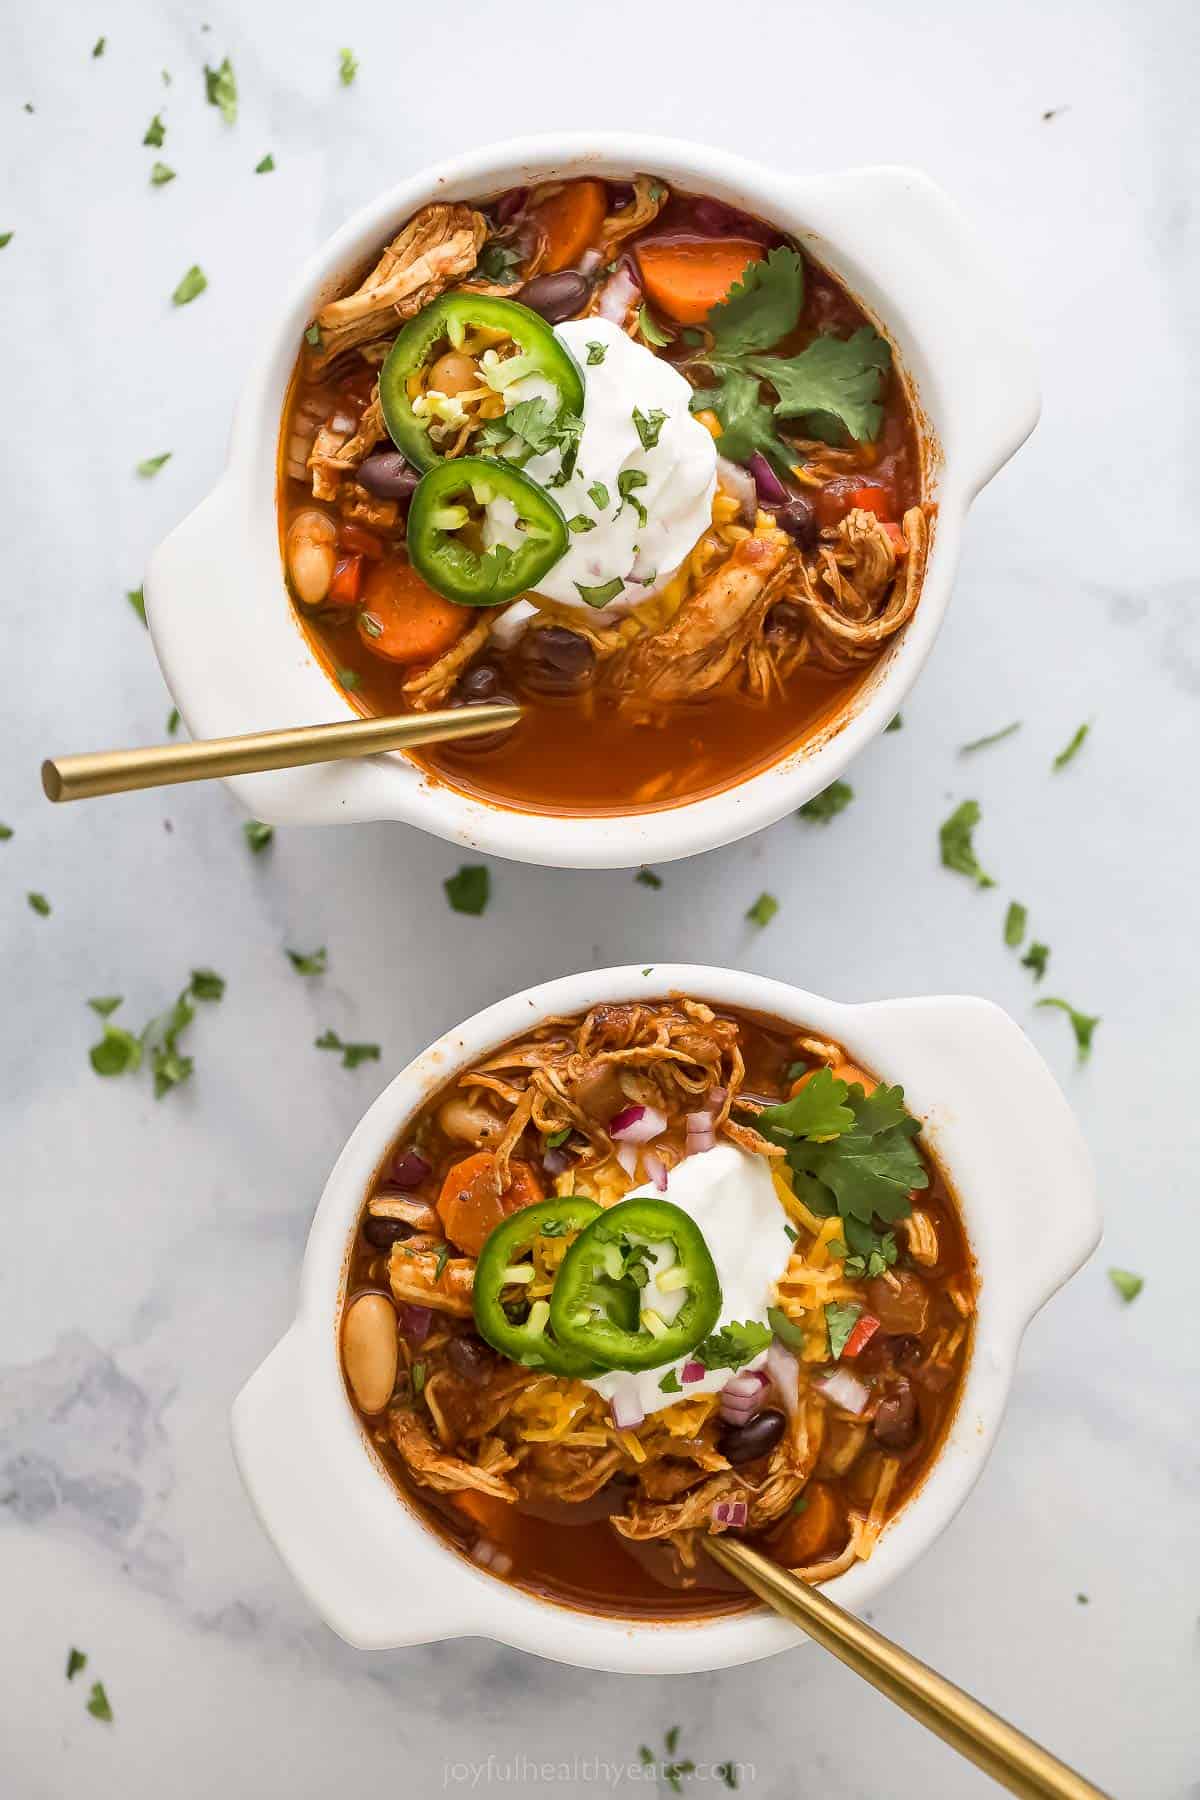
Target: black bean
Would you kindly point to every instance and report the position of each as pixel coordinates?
(470, 1357)
(744, 1443)
(487, 740)
(480, 683)
(896, 1421)
(556, 297)
(554, 660)
(388, 475)
(799, 521)
(381, 1234)
(785, 620)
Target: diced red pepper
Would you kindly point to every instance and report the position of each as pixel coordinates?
(865, 1327)
(346, 585)
(845, 492)
(359, 542)
(896, 537)
(872, 498)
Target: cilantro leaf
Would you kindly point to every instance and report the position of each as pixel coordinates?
(106, 1004)
(785, 1329)
(499, 262)
(190, 285)
(840, 1322)
(1014, 923)
(6, 237)
(265, 166)
(958, 851)
(156, 131)
(1073, 748)
(76, 1659)
(598, 495)
(117, 1053)
(39, 904)
(600, 596)
(897, 724)
(761, 307)
(596, 353)
(866, 1252)
(258, 835)
(828, 803)
(1082, 1024)
(581, 522)
(160, 174)
(352, 1054)
(650, 329)
(835, 385)
(747, 424)
(206, 984)
(313, 335)
(763, 910)
(173, 721)
(350, 679)
(627, 481)
(152, 465)
(97, 50)
(1128, 1285)
(733, 1345)
(347, 67)
(648, 426)
(670, 1383)
(98, 1704)
(469, 890)
(993, 737)
(1036, 958)
(647, 878)
(865, 1172)
(311, 962)
(220, 89)
(818, 1110)
(6, 832)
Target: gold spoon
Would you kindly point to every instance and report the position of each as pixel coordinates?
(121, 771)
(988, 1741)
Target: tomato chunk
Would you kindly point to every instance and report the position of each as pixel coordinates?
(347, 581)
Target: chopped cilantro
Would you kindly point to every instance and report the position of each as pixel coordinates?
(443, 1257)
(763, 910)
(596, 353)
(761, 307)
(1082, 1024)
(265, 166)
(733, 1345)
(862, 1169)
(97, 50)
(646, 1755)
(648, 427)
(958, 851)
(156, 131)
(220, 89)
(600, 596)
(827, 804)
(784, 1328)
(76, 1659)
(647, 878)
(800, 1505)
(6, 237)
(206, 984)
(628, 481)
(598, 495)
(350, 679)
(866, 1252)
(1082, 1600)
(160, 174)
(418, 1378)
(499, 262)
(1073, 748)
(691, 337)
(555, 1138)
(190, 285)
(840, 1322)
(897, 724)
(173, 721)
(6, 832)
(792, 1235)
(39, 904)
(98, 1704)
(670, 1383)
(671, 1740)
(651, 330)
(308, 962)
(347, 67)
(258, 835)
(993, 737)
(370, 624)
(747, 424)
(106, 1004)
(581, 522)
(118, 1052)
(152, 465)
(835, 385)
(352, 1054)
(1128, 1285)
(469, 889)
(1015, 920)
(313, 335)
(1036, 958)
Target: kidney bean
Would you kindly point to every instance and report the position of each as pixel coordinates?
(470, 1357)
(387, 475)
(744, 1443)
(896, 1422)
(556, 297)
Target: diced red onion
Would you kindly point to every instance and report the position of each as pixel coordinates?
(501, 1562)
(771, 490)
(845, 1390)
(784, 1371)
(627, 1409)
(627, 1157)
(699, 1122)
(716, 1098)
(618, 294)
(730, 1512)
(742, 1396)
(656, 1169)
(344, 421)
(692, 1371)
(637, 1125)
(409, 1170)
(490, 1556)
(747, 1381)
(556, 1160)
(740, 483)
(414, 1321)
(697, 1142)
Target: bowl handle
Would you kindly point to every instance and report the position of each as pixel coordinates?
(974, 364)
(292, 1436)
(990, 1102)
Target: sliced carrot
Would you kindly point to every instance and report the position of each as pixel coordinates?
(571, 220)
(403, 619)
(499, 1519)
(685, 278)
(801, 1537)
(472, 1203)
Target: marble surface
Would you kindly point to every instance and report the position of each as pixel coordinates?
(151, 1250)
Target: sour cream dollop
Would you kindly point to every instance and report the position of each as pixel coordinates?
(640, 530)
(730, 1195)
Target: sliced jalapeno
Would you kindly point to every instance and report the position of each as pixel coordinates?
(503, 340)
(638, 1289)
(445, 541)
(509, 1320)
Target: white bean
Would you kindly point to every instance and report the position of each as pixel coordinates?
(311, 555)
(371, 1350)
(468, 1121)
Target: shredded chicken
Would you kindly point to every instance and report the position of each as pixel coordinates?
(649, 198)
(430, 686)
(438, 244)
(415, 1279)
(437, 1468)
(334, 455)
(855, 596)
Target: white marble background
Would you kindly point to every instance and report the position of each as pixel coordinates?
(150, 1250)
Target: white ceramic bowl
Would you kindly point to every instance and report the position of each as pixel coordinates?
(1002, 1131)
(236, 659)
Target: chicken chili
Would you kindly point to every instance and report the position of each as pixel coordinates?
(621, 453)
(655, 1271)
